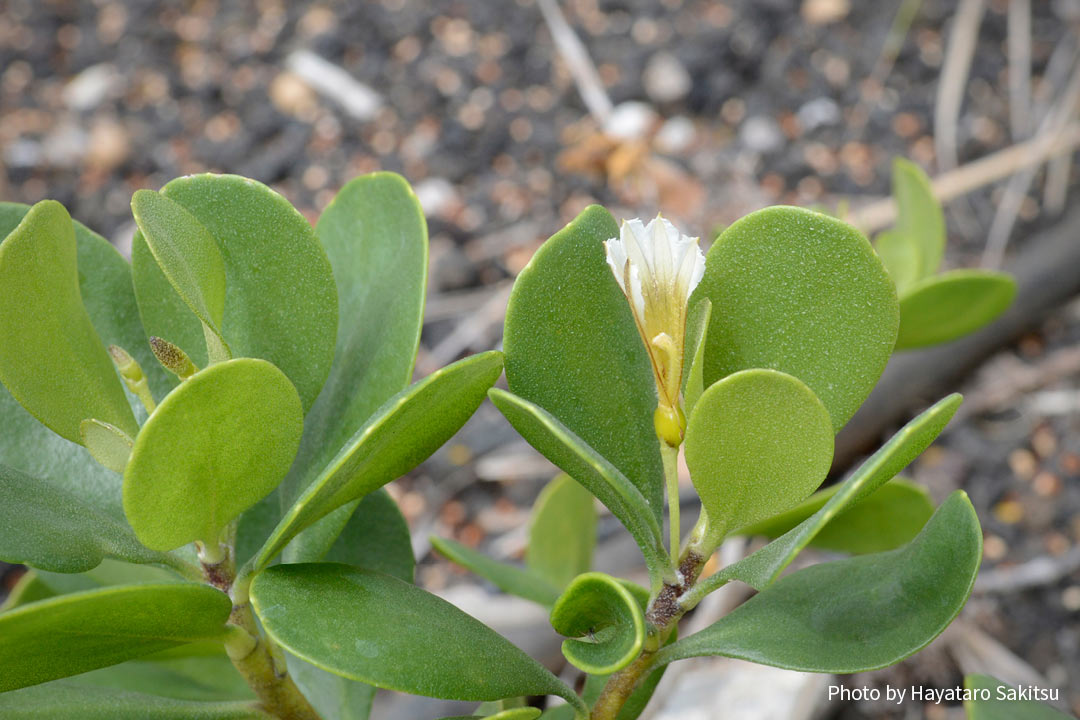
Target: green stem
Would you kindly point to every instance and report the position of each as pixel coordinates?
(255, 656)
(663, 615)
(181, 567)
(670, 456)
(619, 688)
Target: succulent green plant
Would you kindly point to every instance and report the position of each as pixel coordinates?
(791, 324)
(238, 394)
(197, 444)
(935, 307)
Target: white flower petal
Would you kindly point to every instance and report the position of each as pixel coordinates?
(616, 260)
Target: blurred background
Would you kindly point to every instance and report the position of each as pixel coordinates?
(509, 117)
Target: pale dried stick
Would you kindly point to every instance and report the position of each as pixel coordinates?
(578, 61)
(948, 186)
(1019, 39)
(1009, 207)
(953, 80)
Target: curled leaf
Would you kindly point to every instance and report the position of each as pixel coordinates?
(603, 621)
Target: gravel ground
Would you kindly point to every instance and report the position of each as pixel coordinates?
(744, 103)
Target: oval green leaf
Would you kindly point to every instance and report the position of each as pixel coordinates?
(375, 235)
(764, 566)
(804, 293)
(188, 256)
(65, 701)
(759, 443)
(374, 536)
(47, 527)
(994, 700)
(901, 258)
(919, 219)
(858, 614)
(951, 305)
(573, 349)
(207, 677)
(280, 300)
(332, 696)
(107, 444)
(562, 535)
(522, 582)
(603, 623)
(887, 519)
(71, 634)
(213, 448)
(526, 713)
(405, 638)
(561, 446)
(399, 436)
(51, 358)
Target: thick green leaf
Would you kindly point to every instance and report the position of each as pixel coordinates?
(65, 701)
(375, 236)
(759, 442)
(858, 614)
(280, 300)
(374, 535)
(107, 444)
(994, 700)
(46, 527)
(398, 437)
(951, 305)
(602, 621)
(51, 358)
(523, 582)
(71, 634)
(402, 637)
(29, 588)
(205, 677)
(109, 573)
(334, 697)
(887, 519)
(213, 448)
(26, 444)
(107, 293)
(188, 256)
(919, 218)
(573, 349)
(561, 446)
(900, 255)
(526, 713)
(764, 566)
(803, 293)
(697, 325)
(563, 532)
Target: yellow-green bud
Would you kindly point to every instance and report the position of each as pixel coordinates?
(172, 358)
(670, 424)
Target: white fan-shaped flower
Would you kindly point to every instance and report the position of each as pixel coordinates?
(658, 268)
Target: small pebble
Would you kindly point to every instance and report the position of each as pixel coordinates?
(761, 134)
(665, 78)
(1023, 463)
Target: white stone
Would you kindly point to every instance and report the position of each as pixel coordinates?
(818, 112)
(91, 86)
(676, 135)
(665, 78)
(630, 121)
(761, 134)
